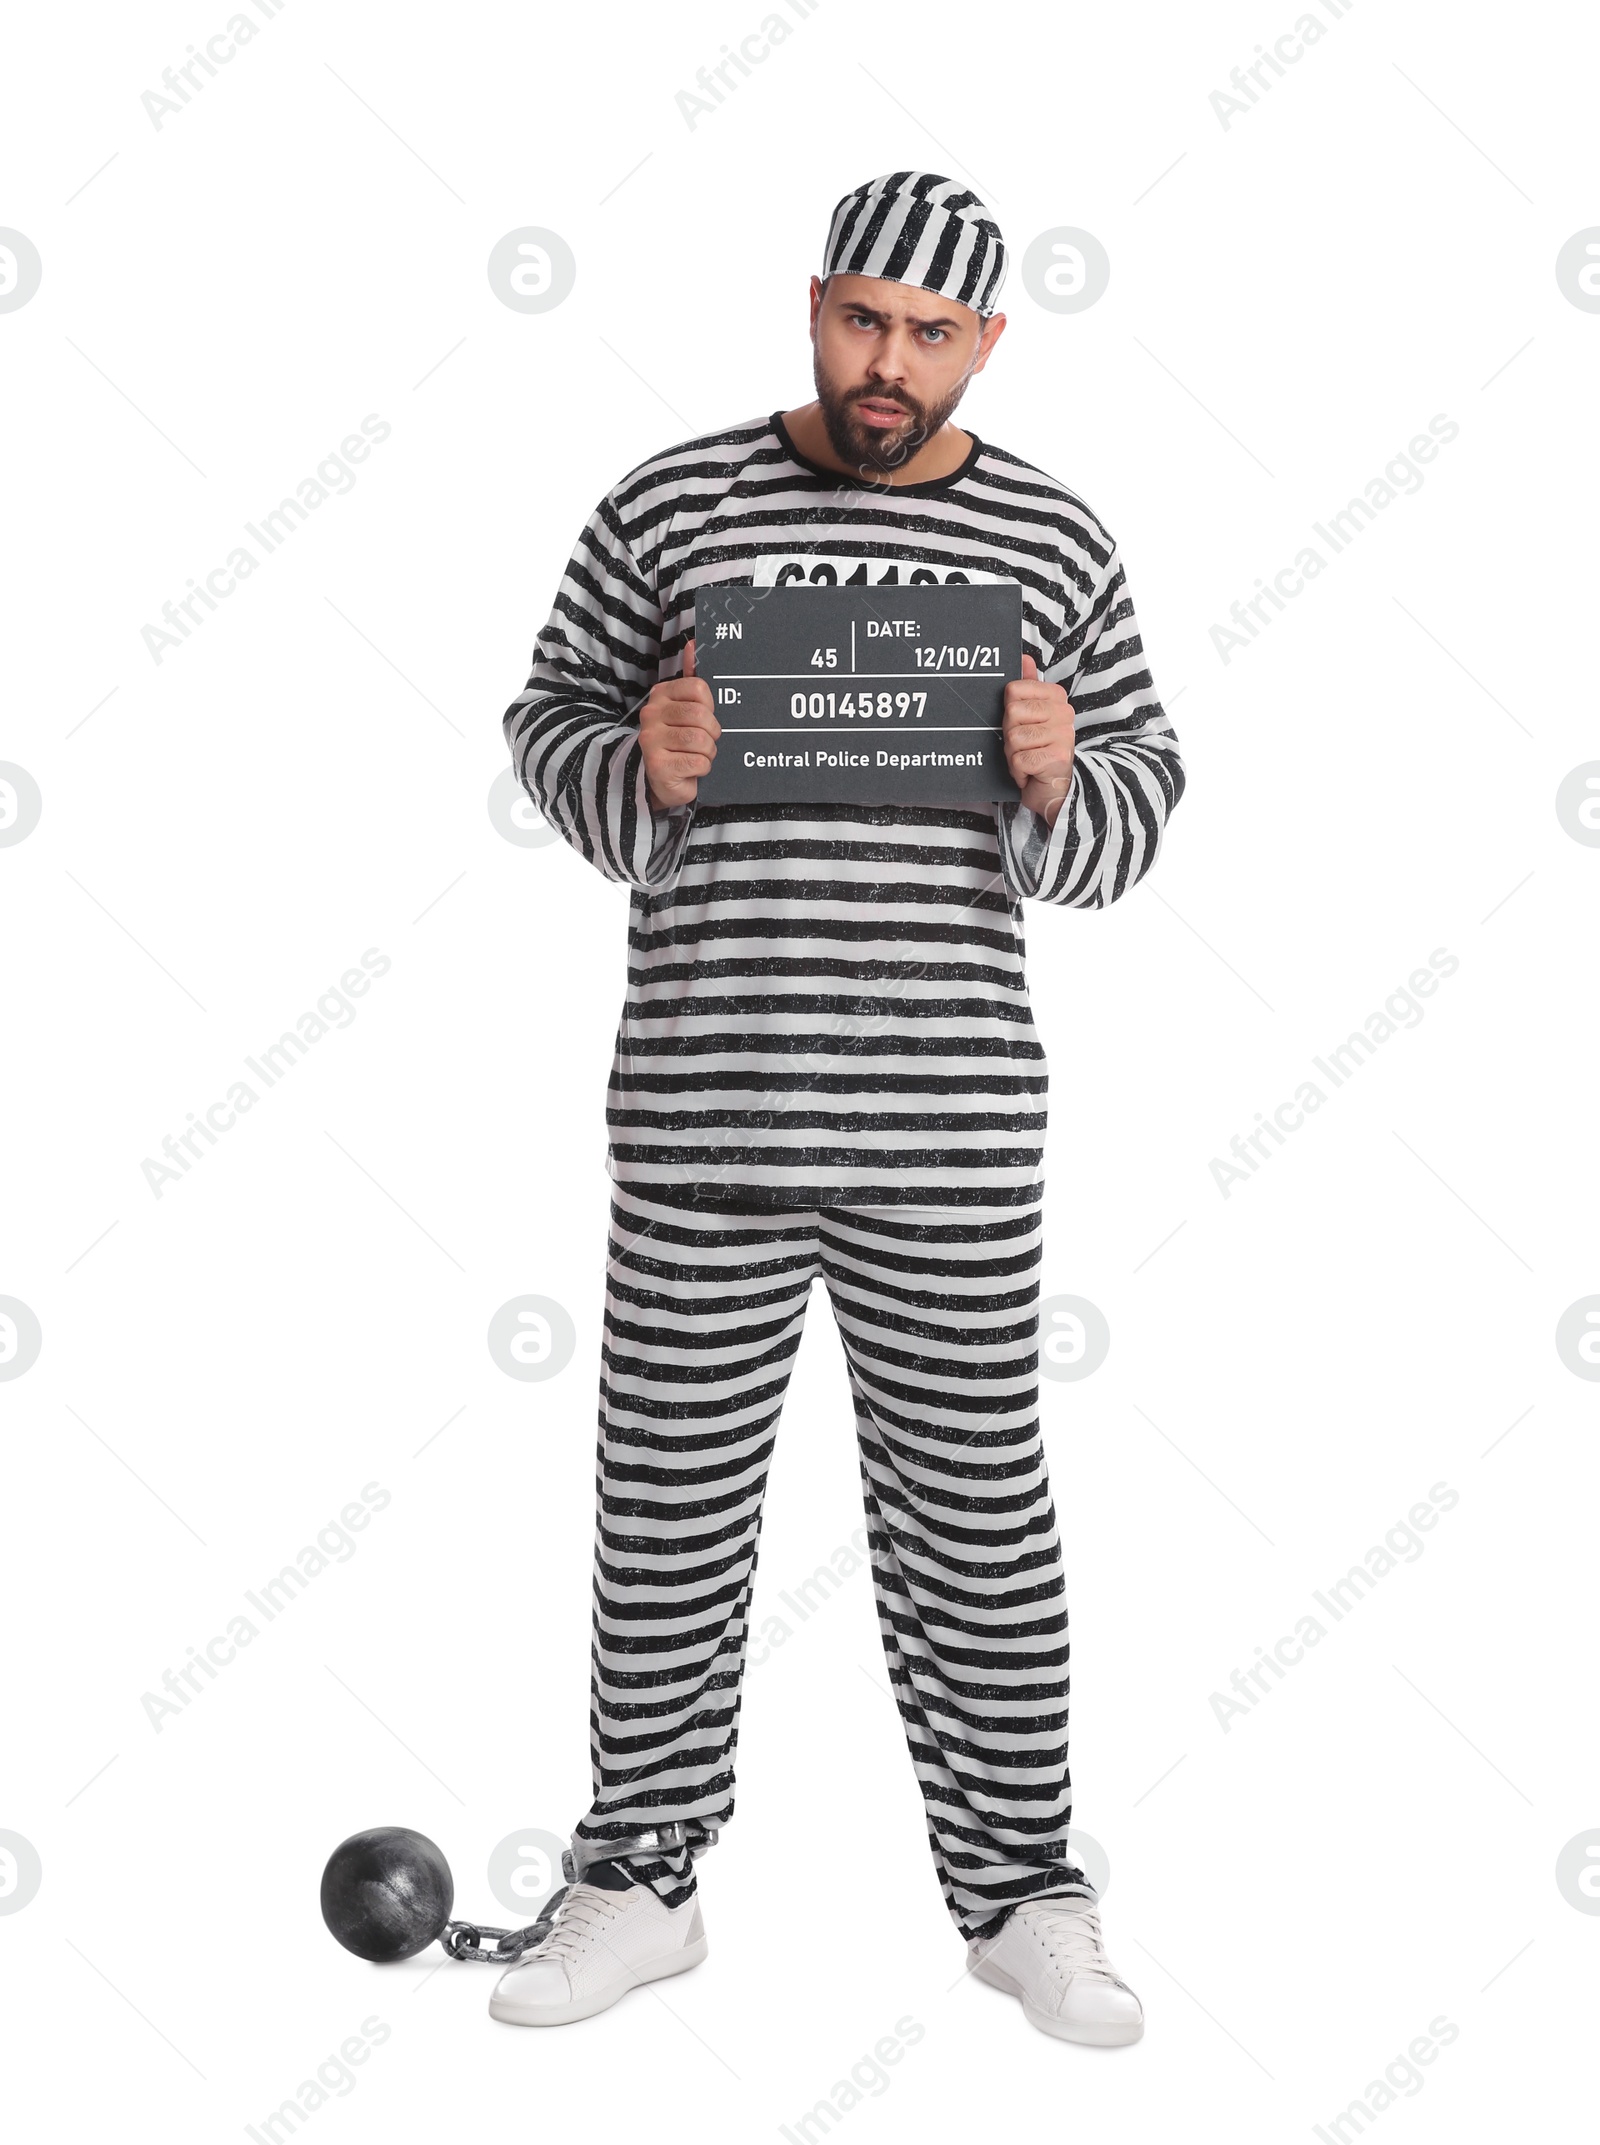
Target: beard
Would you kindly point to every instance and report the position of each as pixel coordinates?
(869, 448)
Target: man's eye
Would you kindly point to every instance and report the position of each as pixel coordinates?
(938, 333)
(861, 320)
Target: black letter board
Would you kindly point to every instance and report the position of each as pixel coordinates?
(873, 695)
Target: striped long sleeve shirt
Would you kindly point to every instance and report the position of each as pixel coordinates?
(827, 1003)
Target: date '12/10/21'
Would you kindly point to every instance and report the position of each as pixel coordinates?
(859, 694)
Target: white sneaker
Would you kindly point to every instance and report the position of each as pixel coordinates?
(603, 1944)
(1050, 1954)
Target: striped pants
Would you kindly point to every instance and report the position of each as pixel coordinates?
(937, 1311)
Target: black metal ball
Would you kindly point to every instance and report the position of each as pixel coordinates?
(387, 1893)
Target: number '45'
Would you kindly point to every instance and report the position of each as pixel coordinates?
(824, 658)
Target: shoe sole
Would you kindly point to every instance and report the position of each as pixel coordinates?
(1109, 2035)
(511, 2013)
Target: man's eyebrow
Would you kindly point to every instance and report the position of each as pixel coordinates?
(938, 320)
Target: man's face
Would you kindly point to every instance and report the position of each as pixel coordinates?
(890, 363)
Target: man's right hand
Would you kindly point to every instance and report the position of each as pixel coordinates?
(679, 733)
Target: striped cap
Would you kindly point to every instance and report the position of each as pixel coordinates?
(915, 227)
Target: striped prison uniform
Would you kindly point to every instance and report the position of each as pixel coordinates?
(827, 1063)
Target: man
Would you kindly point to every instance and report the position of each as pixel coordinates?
(827, 1064)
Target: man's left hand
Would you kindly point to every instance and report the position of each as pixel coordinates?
(1038, 735)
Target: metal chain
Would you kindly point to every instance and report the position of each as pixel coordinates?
(464, 1940)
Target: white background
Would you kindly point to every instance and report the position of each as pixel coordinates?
(1292, 298)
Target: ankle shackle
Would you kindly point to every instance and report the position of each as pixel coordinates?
(693, 1833)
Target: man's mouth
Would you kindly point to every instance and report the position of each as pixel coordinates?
(875, 410)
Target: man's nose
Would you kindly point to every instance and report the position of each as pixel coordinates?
(893, 356)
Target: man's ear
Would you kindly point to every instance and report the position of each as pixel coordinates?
(816, 304)
(993, 329)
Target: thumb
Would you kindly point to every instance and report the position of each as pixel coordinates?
(1030, 668)
(688, 657)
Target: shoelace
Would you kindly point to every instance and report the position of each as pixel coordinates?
(1072, 1935)
(578, 1921)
